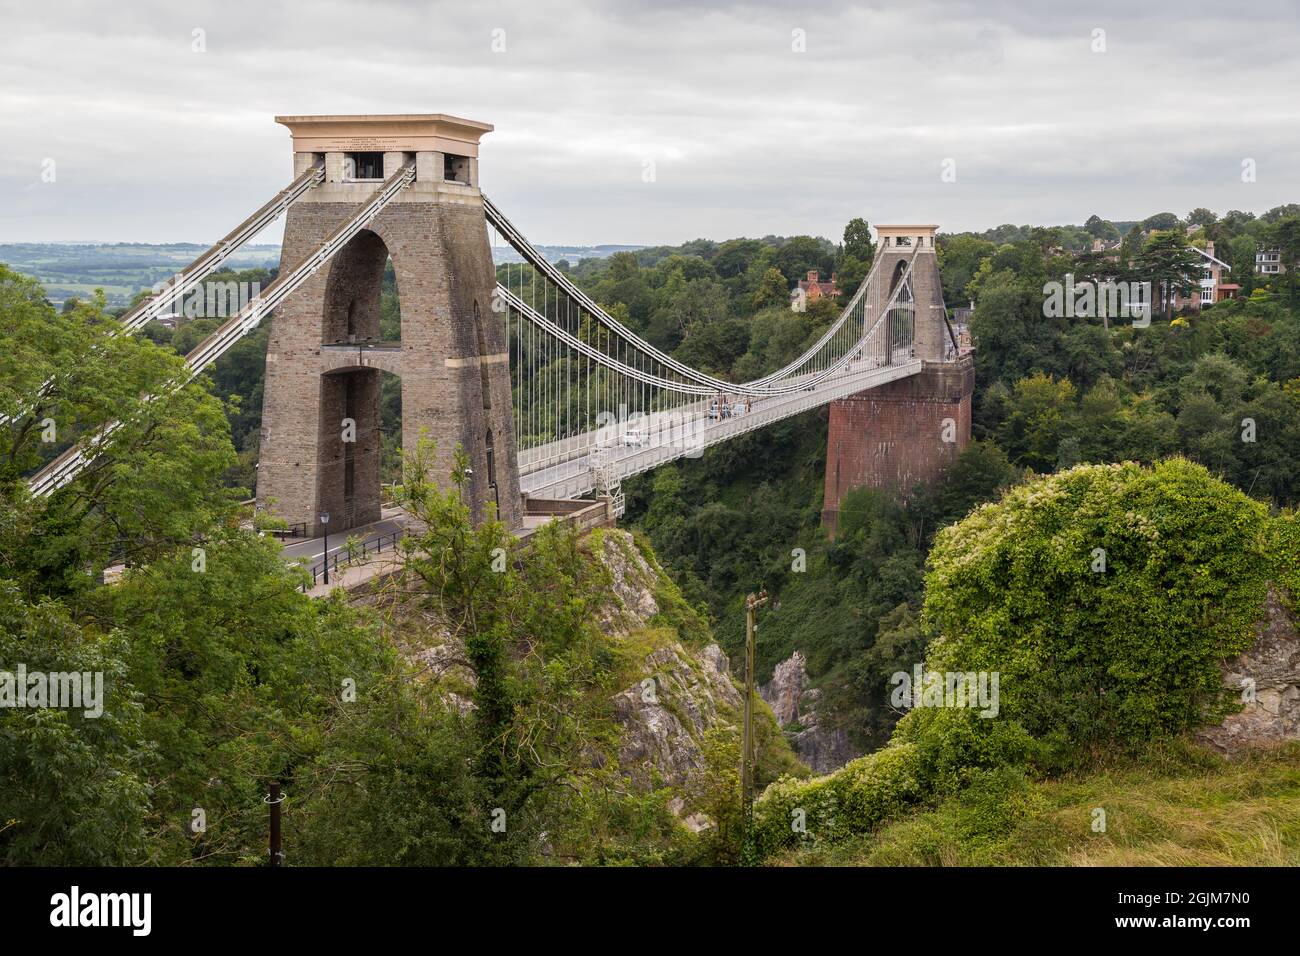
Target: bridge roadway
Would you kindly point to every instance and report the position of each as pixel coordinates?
(564, 469)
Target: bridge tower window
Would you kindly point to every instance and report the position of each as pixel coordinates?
(363, 167)
(492, 472)
(455, 169)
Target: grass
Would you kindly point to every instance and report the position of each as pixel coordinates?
(1206, 812)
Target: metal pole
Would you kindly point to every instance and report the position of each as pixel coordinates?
(325, 526)
(752, 603)
(277, 853)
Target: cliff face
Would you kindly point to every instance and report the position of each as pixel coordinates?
(680, 694)
(680, 687)
(665, 716)
(794, 704)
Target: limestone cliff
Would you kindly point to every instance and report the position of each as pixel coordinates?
(681, 693)
(680, 684)
(794, 704)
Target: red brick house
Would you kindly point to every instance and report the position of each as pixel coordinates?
(812, 288)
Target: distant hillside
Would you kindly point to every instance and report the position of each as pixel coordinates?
(121, 269)
(574, 254)
(76, 269)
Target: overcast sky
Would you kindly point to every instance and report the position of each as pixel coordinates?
(748, 135)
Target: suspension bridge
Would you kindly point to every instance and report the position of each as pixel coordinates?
(550, 396)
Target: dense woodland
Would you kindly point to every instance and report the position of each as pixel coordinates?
(228, 679)
(1051, 393)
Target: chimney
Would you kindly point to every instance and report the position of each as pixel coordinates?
(812, 275)
(1209, 246)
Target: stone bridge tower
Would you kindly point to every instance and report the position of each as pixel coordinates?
(908, 431)
(328, 353)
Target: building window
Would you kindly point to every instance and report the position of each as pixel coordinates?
(359, 167)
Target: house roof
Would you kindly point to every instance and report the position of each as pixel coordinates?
(1213, 259)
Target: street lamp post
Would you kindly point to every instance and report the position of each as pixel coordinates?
(325, 525)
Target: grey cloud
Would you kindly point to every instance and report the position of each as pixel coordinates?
(154, 142)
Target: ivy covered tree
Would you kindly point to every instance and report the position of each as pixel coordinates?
(1107, 597)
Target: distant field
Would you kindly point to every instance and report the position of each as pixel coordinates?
(120, 269)
(123, 269)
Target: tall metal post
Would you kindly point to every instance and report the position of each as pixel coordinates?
(752, 603)
(275, 799)
(325, 526)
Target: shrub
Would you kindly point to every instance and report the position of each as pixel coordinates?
(952, 745)
(854, 799)
(1126, 652)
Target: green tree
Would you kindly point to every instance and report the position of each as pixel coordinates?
(1099, 228)
(1285, 234)
(774, 290)
(800, 254)
(1041, 415)
(1170, 265)
(74, 785)
(1160, 222)
(858, 243)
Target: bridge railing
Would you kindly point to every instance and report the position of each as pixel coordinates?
(349, 555)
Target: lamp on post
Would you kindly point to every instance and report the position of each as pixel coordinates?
(325, 525)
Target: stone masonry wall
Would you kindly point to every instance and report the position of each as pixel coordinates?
(437, 238)
(894, 436)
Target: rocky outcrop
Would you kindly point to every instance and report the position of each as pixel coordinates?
(680, 692)
(1267, 678)
(632, 582)
(665, 715)
(794, 704)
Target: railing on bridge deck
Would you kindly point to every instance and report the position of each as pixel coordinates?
(347, 556)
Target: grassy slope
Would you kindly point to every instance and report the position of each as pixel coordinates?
(1244, 813)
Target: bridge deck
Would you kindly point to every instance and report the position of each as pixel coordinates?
(565, 469)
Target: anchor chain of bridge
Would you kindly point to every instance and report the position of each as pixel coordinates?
(548, 394)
